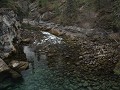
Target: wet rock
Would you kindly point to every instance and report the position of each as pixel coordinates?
(3, 66)
(19, 65)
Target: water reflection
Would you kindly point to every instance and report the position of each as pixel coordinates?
(36, 59)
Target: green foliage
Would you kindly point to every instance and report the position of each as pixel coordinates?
(43, 3)
(6, 3)
(56, 7)
(3, 3)
(108, 11)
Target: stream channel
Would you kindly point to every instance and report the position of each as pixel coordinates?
(50, 71)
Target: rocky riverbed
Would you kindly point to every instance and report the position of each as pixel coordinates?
(12, 57)
(65, 64)
(59, 57)
(94, 49)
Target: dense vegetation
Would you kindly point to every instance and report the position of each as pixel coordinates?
(107, 12)
(70, 12)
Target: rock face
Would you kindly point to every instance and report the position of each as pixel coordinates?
(8, 31)
(10, 44)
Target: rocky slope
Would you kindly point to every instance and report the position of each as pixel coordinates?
(8, 33)
(10, 59)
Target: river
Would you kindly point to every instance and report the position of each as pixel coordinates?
(49, 70)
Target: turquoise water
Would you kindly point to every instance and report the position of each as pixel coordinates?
(45, 74)
(53, 67)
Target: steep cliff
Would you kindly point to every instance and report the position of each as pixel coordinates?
(10, 43)
(8, 32)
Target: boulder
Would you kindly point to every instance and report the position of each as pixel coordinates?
(3, 66)
(19, 65)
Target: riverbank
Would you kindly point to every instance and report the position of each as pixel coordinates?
(56, 63)
(94, 49)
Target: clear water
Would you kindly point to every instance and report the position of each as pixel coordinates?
(56, 73)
